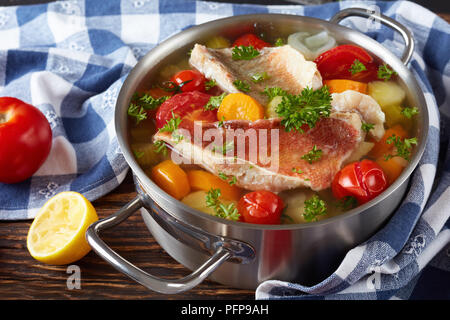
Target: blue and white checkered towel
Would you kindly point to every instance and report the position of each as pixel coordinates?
(70, 58)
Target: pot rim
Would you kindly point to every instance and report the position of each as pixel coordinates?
(152, 57)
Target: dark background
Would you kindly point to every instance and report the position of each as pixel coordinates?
(442, 6)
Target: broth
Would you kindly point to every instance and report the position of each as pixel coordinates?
(295, 200)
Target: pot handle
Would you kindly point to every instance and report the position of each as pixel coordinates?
(151, 282)
(366, 13)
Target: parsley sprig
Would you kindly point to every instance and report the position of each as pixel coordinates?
(258, 77)
(230, 179)
(214, 102)
(403, 147)
(357, 67)
(210, 84)
(140, 103)
(347, 203)
(137, 112)
(160, 147)
(241, 85)
(274, 92)
(409, 112)
(171, 126)
(150, 103)
(367, 126)
(138, 154)
(229, 212)
(279, 42)
(223, 149)
(314, 207)
(304, 109)
(385, 73)
(295, 170)
(244, 53)
(313, 155)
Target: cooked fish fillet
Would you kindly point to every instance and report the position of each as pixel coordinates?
(285, 66)
(363, 104)
(262, 155)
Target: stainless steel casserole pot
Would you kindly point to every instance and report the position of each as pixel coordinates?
(238, 254)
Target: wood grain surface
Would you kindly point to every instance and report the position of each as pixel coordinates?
(22, 277)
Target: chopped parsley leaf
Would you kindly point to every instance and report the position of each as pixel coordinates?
(244, 53)
(313, 155)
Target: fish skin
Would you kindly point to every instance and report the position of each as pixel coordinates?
(337, 136)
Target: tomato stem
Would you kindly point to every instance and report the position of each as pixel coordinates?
(4, 117)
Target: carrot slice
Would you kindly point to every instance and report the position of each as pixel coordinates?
(202, 180)
(381, 148)
(171, 178)
(239, 106)
(392, 168)
(341, 85)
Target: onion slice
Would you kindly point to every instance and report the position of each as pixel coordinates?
(309, 45)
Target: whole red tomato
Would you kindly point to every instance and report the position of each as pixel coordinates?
(250, 39)
(336, 63)
(363, 180)
(185, 105)
(261, 207)
(25, 140)
(189, 80)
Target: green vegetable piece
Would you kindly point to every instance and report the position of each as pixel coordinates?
(410, 112)
(241, 85)
(314, 207)
(138, 154)
(244, 53)
(160, 147)
(150, 103)
(274, 92)
(172, 124)
(258, 77)
(313, 155)
(304, 109)
(357, 67)
(297, 170)
(229, 212)
(214, 102)
(403, 147)
(385, 73)
(367, 127)
(137, 112)
(210, 84)
(279, 42)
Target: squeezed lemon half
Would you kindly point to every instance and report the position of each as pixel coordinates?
(57, 234)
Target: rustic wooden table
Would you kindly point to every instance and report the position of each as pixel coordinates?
(22, 277)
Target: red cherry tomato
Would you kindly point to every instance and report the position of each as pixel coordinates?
(186, 105)
(25, 140)
(250, 39)
(336, 63)
(261, 207)
(192, 79)
(363, 180)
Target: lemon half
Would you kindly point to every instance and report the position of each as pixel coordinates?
(57, 234)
